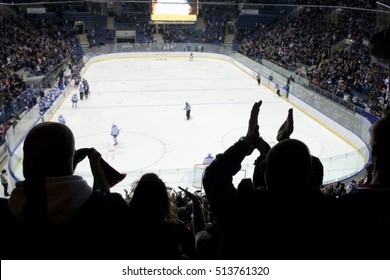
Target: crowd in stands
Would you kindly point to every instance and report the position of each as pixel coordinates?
(136, 16)
(216, 18)
(32, 47)
(303, 44)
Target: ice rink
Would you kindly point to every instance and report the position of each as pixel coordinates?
(145, 97)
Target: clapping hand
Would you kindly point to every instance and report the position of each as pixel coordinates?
(252, 135)
(287, 127)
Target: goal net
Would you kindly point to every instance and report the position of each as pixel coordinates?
(198, 175)
(199, 170)
(161, 56)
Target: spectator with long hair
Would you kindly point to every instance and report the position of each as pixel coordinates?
(157, 232)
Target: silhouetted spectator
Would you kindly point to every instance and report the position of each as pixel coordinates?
(367, 223)
(207, 236)
(157, 232)
(54, 214)
(281, 222)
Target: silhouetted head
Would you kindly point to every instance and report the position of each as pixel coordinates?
(287, 164)
(150, 199)
(380, 47)
(48, 151)
(317, 172)
(380, 145)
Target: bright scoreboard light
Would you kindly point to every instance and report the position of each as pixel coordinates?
(174, 10)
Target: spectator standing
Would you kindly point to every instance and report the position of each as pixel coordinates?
(207, 236)
(281, 222)
(54, 214)
(368, 225)
(158, 232)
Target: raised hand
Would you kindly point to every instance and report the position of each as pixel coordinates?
(94, 157)
(262, 146)
(252, 135)
(189, 194)
(287, 127)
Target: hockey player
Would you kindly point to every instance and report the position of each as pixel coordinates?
(86, 88)
(188, 110)
(81, 89)
(277, 89)
(207, 160)
(61, 119)
(76, 80)
(75, 98)
(258, 79)
(271, 77)
(287, 89)
(191, 56)
(114, 133)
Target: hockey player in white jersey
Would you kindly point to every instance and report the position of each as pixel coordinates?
(114, 133)
(209, 159)
(61, 119)
(75, 98)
